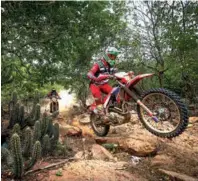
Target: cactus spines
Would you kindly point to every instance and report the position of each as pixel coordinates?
(44, 125)
(36, 154)
(16, 129)
(28, 142)
(33, 111)
(50, 127)
(46, 145)
(56, 133)
(14, 115)
(37, 112)
(17, 153)
(37, 131)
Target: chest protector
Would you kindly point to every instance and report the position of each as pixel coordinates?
(103, 69)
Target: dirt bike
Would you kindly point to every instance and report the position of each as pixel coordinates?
(161, 111)
(54, 105)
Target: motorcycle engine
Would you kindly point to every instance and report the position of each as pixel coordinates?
(118, 119)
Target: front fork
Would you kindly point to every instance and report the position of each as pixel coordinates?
(135, 98)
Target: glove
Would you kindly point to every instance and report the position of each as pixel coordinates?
(103, 77)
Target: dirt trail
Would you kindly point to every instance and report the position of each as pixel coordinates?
(178, 155)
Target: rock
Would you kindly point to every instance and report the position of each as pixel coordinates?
(159, 160)
(179, 176)
(84, 118)
(70, 131)
(193, 119)
(95, 170)
(132, 146)
(82, 155)
(100, 153)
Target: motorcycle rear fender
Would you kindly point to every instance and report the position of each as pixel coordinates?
(137, 78)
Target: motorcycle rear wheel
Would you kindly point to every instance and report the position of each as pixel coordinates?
(99, 130)
(168, 108)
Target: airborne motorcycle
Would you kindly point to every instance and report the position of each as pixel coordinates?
(161, 111)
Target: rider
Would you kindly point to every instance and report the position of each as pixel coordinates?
(53, 93)
(99, 74)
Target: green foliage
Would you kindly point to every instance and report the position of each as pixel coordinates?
(51, 48)
(37, 131)
(28, 142)
(17, 155)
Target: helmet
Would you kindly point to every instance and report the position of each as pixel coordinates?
(111, 51)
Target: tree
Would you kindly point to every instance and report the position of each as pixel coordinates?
(54, 41)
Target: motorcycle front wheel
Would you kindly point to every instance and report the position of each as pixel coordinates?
(99, 129)
(171, 112)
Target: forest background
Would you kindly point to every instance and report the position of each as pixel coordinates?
(53, 44)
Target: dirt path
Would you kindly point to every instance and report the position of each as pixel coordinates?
(179, 155)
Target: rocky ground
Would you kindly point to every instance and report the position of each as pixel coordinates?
(135, 155)
(129, 152)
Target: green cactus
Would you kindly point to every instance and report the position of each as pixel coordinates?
(64, 150)
(28, 142)
(14, 98)
(6, 156)
(33, 111)
(56, 135)
(17, 155)
(21, 115)
(55, 114)
(36, 154)
(12, 119)
(36, 98)
(35, 103)
(50, 127)
(46, 145)
(16, 112)
(37, 112)
(16, 129)
(44, 125)
(37, 131)
(14, 115)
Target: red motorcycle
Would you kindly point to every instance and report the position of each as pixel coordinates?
(161, 111)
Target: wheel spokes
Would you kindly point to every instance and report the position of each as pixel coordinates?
(165, 109)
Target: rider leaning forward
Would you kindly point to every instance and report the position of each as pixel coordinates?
(99, 76)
